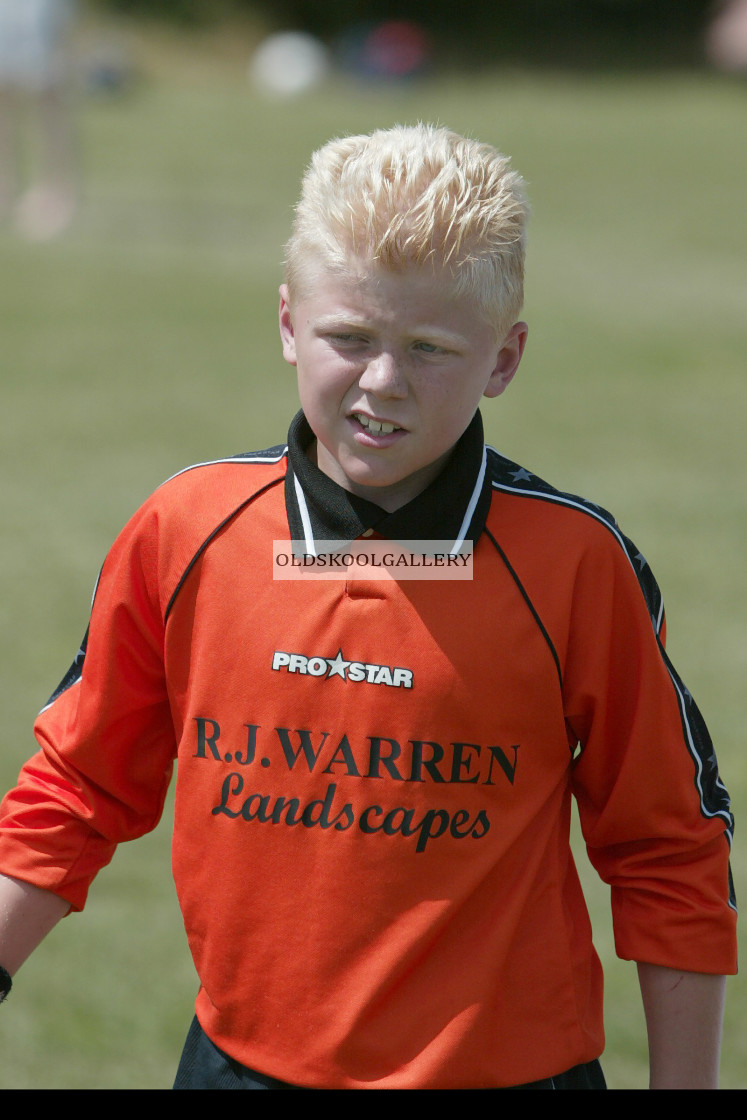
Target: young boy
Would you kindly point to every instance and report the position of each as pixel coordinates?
(373, 796)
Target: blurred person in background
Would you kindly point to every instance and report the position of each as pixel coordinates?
(726, 37)
(35, 91)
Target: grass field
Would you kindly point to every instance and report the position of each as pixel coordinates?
(146, 339)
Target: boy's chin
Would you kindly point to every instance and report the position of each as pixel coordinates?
(382, 484)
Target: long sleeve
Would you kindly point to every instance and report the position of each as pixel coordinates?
(654, 811)
(105, 738)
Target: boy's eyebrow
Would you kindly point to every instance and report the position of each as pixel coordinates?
(336, 321)
(324, 322)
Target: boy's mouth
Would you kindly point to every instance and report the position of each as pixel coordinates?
(375, 427)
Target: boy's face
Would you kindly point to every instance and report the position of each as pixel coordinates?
(391, 369)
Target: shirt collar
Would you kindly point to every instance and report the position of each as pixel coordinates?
(452, 508)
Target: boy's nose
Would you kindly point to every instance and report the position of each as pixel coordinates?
(384, 376)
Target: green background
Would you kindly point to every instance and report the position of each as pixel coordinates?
(146, 339)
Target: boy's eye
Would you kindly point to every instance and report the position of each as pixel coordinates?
(428, 348)
(343, 338)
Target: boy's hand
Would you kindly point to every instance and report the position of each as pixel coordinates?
(684, 1014)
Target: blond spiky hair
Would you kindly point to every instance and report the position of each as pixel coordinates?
(414, 196)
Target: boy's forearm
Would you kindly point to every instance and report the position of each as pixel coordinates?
(27, 914)
(684, 1015)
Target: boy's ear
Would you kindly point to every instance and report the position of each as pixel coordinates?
(507, 362)
(287, 334)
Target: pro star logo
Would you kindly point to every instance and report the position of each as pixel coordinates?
(337, 666)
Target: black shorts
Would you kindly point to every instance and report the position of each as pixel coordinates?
(204, 1066)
